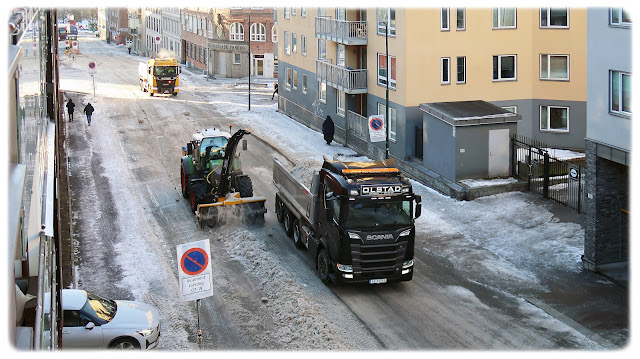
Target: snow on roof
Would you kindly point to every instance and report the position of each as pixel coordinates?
(210, 132)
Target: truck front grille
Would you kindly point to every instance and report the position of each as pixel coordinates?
(377, 258)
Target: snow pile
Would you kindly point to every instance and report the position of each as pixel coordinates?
(298, 319)
(475, 183)
(304, 169)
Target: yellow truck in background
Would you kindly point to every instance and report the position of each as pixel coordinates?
(159, 76)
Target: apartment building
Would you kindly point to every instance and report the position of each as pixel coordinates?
(153, 38)
(608, 139)
(334, 61)
(117, 25)
(171, 27)
(196, 24)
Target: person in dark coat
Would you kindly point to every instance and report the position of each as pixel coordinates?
(88, 110)
(275, 89)
(328, 129)
(70, 109)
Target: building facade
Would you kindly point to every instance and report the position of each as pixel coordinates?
(334, 61)
(153, 31)
(197, 25)
(608, 139)
(117, 31)
(171, 27)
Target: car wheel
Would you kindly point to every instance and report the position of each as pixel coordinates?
(323, 266)
(125, 344)
(288, 222)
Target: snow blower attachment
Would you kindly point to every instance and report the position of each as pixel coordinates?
(212, 179)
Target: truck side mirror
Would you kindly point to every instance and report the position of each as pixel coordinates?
(418, 205)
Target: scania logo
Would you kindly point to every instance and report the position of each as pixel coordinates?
(377, 237)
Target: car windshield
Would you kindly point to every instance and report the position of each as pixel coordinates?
(375, 214)
(165, 70)
(100, 308)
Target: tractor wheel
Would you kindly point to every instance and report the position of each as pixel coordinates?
(244, 186)
(197, 192)
(184, 179)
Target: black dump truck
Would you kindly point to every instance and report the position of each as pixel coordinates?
(357, 220)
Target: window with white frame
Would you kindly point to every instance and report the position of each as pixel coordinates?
(236, 32)
(303, 44)
(293, 11)
(504, 18)
(294, 43)
(619, 17)
(620, 92)
(303, 11)
(286, 12)
(444, 19)
(386, 16)
(237, 59)
(322, 92)
(554, 67)
(392, 119)
(461, 69)
(341, 55)
(554, 17)
(461, 19)
(304, 83)
(287, 43)
(513, 109)
(258, 32)
(504, 67)
(274, 33)
(445, 70)
(554, 118)
(322, 49)
(289, 78)
(341, 103)
(341, 13)
(295, 79)
(382, 70)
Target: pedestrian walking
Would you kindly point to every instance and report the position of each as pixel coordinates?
(88, 110)
(275, 89)
(70, 109)
(328, 129)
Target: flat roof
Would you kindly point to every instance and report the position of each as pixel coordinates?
(469, 113)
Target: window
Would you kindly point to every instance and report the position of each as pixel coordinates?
(461, 22)
(294, 43)
(286, 12)
(444, 19)
(445, 68)
(295, 79)
(384, 16)
(341, 102)
(304, 83)
(504, 67)
(287, 43)
(619, 16)
(236, 59)
(620, 95)
(274, 33)
(382, 71)
(289, 79)
(461, 67)
(258, 32)
(554, 118)
(392, 119)
(293, 11)
(303, 12)
(554, 67)
(513, 109)
(554, 17)
(322, 49)
(341, 13)
(322, 92)
(504, 18)
(236, 32)
(303, 44)
(341, 55)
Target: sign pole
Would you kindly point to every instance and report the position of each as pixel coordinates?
(199, 333)
(93, 80)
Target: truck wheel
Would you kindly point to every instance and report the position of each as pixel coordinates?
(323, 266)
(183, 181)
(279, 209)
(288, 222)
(244, 186)
(297, 234)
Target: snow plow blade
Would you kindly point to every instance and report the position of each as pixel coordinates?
(230, 209)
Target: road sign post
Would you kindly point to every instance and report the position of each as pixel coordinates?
(92, 71)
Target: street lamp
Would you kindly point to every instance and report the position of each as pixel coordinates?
(386, 115)
(249, 60)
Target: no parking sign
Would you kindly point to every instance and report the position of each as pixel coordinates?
(377, 131)
(194, 270)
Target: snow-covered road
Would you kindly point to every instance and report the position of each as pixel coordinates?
(478, 263)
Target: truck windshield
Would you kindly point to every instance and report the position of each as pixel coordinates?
(165, 71)
(375, 214)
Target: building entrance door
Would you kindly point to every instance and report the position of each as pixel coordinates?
(498, 153)
(258, 65)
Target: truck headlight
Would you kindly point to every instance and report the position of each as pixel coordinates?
(354, 235)
(405, 233)
(345, 268)
(407, 264)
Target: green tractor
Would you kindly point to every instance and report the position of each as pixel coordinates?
(212, 179)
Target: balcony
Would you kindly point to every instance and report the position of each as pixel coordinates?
(342, 78)
(344, 32)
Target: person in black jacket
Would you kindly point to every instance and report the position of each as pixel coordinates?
(275, 89)
(70, 109)
(88, 110)
(328, 129)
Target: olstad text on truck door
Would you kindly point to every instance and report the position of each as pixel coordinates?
(357, 220)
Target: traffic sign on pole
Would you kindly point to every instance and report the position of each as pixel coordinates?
(194, 270)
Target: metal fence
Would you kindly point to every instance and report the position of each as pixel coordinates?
(556, 179)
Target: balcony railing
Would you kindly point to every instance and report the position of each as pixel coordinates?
(358, 125)
(342, 78)
(344, 32)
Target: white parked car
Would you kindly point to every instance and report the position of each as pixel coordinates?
(93, 322)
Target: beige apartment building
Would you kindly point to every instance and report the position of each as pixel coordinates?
(532, 61)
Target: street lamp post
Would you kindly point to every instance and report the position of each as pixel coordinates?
(249, 60)
(386, 115)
